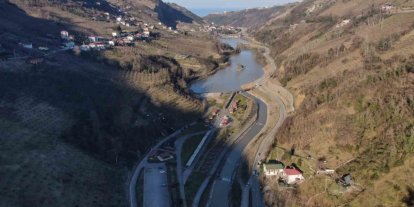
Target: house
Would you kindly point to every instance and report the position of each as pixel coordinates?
(92, 38)
(225, 121)
(346, 180)
(274, 168)
(85, 48)
(43, 48)
(164, 157)
(292, 176)
(343, 23)
(130, 38)
(387, 7)
(146, 33)
(64, 34)
(214, 111)
(27, 45)
(69, 45)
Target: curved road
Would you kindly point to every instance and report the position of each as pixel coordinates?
(133, 181)
(222, 185)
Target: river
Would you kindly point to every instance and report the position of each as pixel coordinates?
(230, 79)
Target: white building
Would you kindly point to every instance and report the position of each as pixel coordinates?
(64, 34)
(27, 45)
(292, 176)
(273, 169)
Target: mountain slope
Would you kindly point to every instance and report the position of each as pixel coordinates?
(73, 123)
(245, 18)
(350, 66)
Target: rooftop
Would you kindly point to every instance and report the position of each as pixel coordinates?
(292, 172)
(274, 166)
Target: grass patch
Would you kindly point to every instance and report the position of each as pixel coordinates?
(192, 185)
(198, 127)
(189, 146)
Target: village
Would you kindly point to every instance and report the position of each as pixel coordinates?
(291, 176)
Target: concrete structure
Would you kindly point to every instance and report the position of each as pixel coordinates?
(292, 176)
(156, 192)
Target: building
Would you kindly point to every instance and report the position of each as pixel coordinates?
(292, 176)
(346, 180)
(225, 121)
(343, 23)
(273, 168)
(27, 45)
(64, 34)
(387, 7)
(85, 48)
(214, 111)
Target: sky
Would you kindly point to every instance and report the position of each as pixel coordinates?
(204, 7)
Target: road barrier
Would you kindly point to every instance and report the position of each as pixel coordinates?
(200, 145)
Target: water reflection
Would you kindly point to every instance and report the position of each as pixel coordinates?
(233, 77)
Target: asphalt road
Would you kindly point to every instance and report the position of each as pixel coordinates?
(222, 185)
(156, 192)
(141, 165)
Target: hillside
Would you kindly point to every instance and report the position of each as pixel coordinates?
(350, 67)
(76, 115)
(251, 18)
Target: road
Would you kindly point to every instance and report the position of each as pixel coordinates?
(222, 185)
(141, 165)
(179, 169)
(284, 99)
(156, 192)
(264, 146)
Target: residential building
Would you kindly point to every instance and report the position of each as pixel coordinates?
(346, 180)
(273, 168)
(64, 34)
(292, 176)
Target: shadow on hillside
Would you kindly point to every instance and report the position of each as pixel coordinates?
(104, 107)
(409, 199)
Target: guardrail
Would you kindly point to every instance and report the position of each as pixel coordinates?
(200, 145)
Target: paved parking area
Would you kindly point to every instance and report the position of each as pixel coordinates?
(156, 192)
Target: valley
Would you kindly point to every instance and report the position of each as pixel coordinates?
(144, 103)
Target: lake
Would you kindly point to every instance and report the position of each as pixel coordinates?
(230, 79)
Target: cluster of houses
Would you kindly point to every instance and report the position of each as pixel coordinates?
(291, 175)
(219, 29)
(234, 106)
(388, 7)
(94, 42)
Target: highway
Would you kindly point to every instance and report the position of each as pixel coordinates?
(222, 184)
